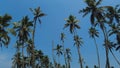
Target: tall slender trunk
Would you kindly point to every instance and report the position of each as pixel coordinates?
(58, 61)
(64, 54)
(114, 57)
(80, 58)
(55, 66)
(33, 55)
(34, 27)
(97, 52)
(68, 63)
(106, 48)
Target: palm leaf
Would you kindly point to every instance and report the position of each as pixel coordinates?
(77, 26)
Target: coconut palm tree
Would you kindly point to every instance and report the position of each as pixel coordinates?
(95, 10)
(113, 13)
(94, 33)
(115, 30)
(37, 15)
(78, 42)
(72, 23)
(17, 60)
(68, 54)
(53, 56)
(62, 39)
(59, 52)
(98, 17)
(4, 23)
(23, 29)
(45, 62)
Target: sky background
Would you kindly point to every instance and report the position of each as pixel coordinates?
(51, 27)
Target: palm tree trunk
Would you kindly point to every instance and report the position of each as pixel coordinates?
(68, 64)
(58, 61)
(106, 48)
(55, 66)
(114, 57)
(64, 54)
(33, 55)
(97, 53)
(107, 59)
(80, 58)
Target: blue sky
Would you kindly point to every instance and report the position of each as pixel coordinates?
(52, 26)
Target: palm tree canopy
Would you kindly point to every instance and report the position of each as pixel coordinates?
(72, 23)
(93, 32)
(4, 23)
(97, 13)
(23, 28)
(78, 41)
(62, 37)
(68, 53)
(113, 13)
(4, 20)
(59, 50)
(37, 14)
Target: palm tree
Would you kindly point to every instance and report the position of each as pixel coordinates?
(94, 33)
(72, 23)
(23, 29)
(17, 61)
(58, 52)
(78, 42)
(95, 10)
(68, 54)
(113, 13)
(53, 56)
(45, 62)
(37, 15)
(4, 23)
(98, 17)
(114, 30)
(62, 39)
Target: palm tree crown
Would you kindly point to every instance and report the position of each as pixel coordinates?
(4, 38)
(93, 32)
(23, 28)
(72, 23)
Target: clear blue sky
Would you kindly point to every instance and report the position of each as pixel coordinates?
(52, 26)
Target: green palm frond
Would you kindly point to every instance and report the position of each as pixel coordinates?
(72, 23)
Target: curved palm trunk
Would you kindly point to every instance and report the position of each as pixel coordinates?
(106, 48)
(114, 57)
(97, 52)
(80, 58)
